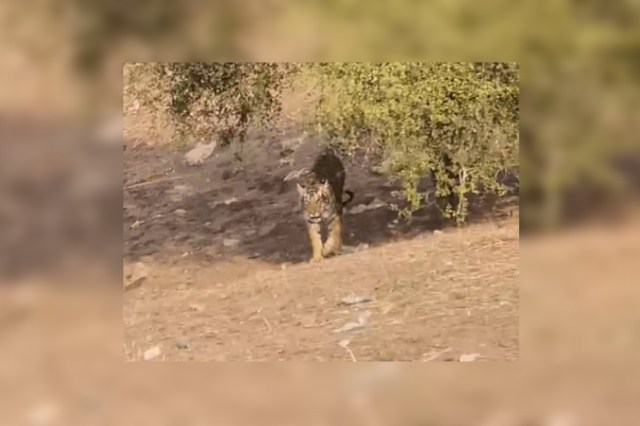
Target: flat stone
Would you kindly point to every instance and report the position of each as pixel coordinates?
(152, 353)
(230, 242)
(266, 229)
(199, 153)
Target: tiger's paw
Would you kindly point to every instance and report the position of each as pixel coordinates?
(335, 251)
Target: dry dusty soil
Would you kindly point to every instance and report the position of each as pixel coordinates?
(221, 253)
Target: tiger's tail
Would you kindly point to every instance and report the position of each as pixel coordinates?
(350, 194)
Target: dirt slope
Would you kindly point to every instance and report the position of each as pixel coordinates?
(171, 208)
(225, 248)
(452, 293)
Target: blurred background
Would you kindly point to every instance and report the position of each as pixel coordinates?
(61, 80)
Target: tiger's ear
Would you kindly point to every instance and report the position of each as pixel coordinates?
(300, 189)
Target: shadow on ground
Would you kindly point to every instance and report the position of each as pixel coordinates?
(225, 207)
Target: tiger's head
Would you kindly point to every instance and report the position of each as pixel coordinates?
(316, 197)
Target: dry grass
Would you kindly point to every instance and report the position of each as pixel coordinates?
(436, 296)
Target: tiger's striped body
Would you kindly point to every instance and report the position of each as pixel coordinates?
(320, 190)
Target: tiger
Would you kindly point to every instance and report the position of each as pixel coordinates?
(320, 193)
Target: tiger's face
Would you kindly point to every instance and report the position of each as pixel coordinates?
(316, 198)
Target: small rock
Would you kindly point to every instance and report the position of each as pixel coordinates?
(199, 153)
(198, 307)
(432, 355)
(352, 300)
(230, 242)
(180, 192)
(180, 212)
(469, 357)
(437, 232)
(362, 246)
(377, 170)
(266, 229)
(134, 275)
(152, 353)
(183, 344)
(286, 151)
(230, 201)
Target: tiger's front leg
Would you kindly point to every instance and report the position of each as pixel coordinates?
(334, 239)
(316, 241)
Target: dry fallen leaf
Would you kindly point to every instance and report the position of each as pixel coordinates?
(352, 325)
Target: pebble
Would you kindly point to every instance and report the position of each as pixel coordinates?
(152, 353)
(199, 153)
(198, 307)
(469, 357)
(352, 300)
(180, 192)
(183, 344)
(230, 242)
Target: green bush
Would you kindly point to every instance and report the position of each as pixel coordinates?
(457, 120)
(221, 100)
